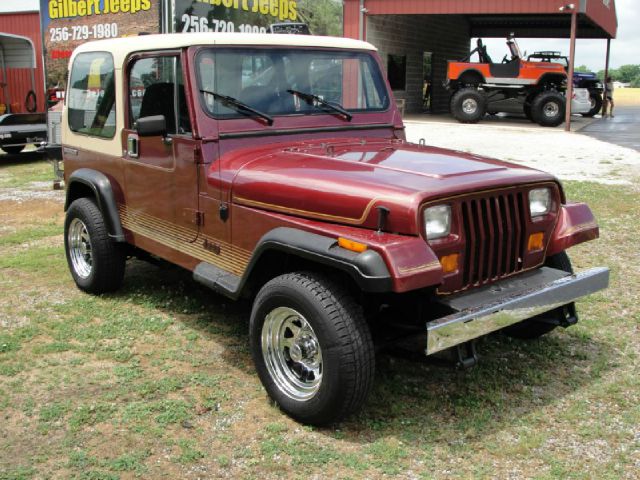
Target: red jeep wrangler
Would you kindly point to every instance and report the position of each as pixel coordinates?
(274, 167)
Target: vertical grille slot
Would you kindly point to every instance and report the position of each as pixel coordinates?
(494, 229)
(470, 240)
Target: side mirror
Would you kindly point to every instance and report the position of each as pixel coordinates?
(151, 126)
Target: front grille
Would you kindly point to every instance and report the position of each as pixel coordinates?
(494, 228)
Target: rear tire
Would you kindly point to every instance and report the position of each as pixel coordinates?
(96, 262)
(468, 105)
(312, 347)
(596, 104)
(12, 150)
(548, 109)
(31, 102)
(533, 328)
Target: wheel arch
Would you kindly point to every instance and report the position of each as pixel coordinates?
(469, 75)
(284, 250)
(89, 183)
(552, 79)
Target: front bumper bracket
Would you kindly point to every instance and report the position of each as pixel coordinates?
(487, 309)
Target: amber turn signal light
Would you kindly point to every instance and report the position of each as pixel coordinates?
(449, 263)
(352, 245)
(535, 242)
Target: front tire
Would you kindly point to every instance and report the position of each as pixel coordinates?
(548, 109)
(95, 261)
(312, 347)
(596, 104)
(468, 105)
(540, 325)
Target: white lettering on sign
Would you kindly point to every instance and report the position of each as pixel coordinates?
(607, 3)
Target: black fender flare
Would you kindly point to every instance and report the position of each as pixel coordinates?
(368, 269)
(102, 190)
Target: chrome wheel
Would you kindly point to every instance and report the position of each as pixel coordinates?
(551, 109)
(80, 250)
(469, 106)
(292, 353)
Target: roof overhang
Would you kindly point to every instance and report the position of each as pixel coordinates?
(525, 18)
(533, 26)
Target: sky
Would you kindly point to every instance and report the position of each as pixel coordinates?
(625, 49)
(19, 5)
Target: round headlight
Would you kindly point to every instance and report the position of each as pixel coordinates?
(539, 201)
(437, 221)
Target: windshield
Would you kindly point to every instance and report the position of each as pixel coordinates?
(546, 59)
(275, 81)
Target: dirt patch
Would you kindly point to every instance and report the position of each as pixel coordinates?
(31, 210)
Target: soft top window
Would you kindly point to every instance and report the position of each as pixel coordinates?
(91, 98)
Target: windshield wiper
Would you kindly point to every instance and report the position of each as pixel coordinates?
(315, 101)
(239, 106)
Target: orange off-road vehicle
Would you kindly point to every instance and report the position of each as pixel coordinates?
(537, 88)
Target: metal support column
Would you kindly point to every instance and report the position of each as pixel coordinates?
(605, 102)
(572, 58)
(363, 19)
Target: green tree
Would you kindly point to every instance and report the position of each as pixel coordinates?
(324, 17)
(612, 73)
(583, 69)
(624, 74)
(627, 73)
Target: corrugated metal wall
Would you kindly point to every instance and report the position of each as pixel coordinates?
(381, 7)
(26, 24)
(597, 10)
(604, 14)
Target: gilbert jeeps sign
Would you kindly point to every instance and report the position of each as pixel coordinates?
(69, 23)
(246, 16)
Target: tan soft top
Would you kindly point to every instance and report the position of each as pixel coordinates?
(121, 47)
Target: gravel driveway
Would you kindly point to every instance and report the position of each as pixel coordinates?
(570, 156)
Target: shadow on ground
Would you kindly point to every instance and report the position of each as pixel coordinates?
(411, 400)
(23, 158)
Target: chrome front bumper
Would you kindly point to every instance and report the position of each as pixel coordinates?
(509, 301)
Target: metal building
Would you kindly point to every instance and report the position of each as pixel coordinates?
(417, 37)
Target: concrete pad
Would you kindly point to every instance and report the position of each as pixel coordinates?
(623, 129)
(578, 122)
(568, 155)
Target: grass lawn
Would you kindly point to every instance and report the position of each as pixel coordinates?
(156, 381)
(627, 97)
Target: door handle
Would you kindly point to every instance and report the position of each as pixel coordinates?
(132, 146)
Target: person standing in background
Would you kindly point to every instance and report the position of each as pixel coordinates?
(608, 98)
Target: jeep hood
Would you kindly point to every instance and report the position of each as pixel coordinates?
(344, 181)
